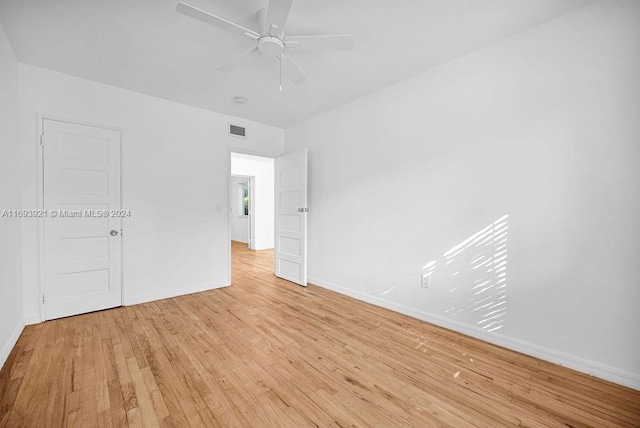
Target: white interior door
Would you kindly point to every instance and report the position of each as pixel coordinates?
(291, 217)
(82, 230)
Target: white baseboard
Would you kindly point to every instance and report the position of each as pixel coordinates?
(264, 248)
(145, 298)
(592, 368)
(7, 347)
(32, 319)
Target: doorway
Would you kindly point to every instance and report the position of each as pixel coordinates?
(277, 209)
(240, 207)
(251, 202)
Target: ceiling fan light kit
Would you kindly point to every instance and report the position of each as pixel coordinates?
(270, 40)
(270, 45)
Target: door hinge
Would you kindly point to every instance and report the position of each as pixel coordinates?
(42, 140)
(43, 299)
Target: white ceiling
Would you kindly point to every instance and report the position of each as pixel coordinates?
(145, 46)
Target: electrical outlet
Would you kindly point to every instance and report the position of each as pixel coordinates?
(426, 281)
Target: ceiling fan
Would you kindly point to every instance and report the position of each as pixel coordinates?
(270, 40)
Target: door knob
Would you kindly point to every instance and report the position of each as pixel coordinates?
(114, 233)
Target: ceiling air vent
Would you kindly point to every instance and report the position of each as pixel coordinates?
(238, 131)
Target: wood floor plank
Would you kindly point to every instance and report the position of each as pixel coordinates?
(266, 352)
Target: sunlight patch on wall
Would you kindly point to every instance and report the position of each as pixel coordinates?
(475, 270)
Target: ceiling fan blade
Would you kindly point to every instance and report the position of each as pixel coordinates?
(277, 14)
(216, 21)
(321, 43)
(292, 70)
(243, 59)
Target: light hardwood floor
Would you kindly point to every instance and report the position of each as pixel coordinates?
(266, 352)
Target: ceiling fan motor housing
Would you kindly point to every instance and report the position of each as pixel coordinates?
(270, 45)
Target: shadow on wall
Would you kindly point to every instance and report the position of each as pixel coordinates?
(476, 270)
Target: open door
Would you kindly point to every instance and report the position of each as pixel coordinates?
(291, 217)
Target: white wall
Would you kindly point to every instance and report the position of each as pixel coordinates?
(11, 314)
(262, 169)
(175, 163)
(239, 223)
(543, 128)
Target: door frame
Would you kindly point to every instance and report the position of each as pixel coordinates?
(40, 179)
(239, 151)
(250, 220)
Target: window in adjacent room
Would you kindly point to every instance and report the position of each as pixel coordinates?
(244, 199)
